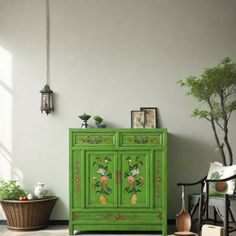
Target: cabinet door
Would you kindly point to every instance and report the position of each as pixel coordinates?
(100, 186)
(135, 172)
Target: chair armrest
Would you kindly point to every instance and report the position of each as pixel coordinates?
(220, 180)
(201, 181)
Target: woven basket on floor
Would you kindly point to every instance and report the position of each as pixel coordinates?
(28, 215)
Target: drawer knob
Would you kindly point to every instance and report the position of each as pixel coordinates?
(77, 179)
(118, 216)
(158, 179)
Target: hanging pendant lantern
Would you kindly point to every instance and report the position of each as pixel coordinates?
(47, 105)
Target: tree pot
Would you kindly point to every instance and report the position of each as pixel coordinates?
(28, 215)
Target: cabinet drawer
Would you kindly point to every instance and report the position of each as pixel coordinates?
(141, 139)
(93, 139)
(117, 216)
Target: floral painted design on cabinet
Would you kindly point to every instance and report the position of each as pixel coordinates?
(134, 178)
(101, 179)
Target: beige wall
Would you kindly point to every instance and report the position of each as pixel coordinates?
(108, 57)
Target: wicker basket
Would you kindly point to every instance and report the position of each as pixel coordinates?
(28, 215)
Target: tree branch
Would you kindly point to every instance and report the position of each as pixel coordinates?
(215, 134)
(219, 125)
(230, 92)
(207, 118)
(225, 119)
(229, 116)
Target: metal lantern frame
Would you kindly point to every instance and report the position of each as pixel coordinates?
(47, 104)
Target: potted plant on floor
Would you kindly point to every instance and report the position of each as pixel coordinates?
(215, 90)
(21, 212)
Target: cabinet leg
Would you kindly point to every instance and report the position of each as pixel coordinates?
(71, 230)
(164, 230)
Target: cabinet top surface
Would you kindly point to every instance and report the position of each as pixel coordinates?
(140, 130)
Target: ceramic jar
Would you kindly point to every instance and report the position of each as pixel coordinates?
(39, 190)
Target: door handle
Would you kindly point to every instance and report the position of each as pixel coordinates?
(118, 175)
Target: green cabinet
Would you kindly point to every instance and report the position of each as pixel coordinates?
(118, 179)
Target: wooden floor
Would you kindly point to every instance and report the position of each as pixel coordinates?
(63, 231)
(59, 231)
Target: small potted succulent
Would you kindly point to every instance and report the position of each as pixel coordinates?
(23, 210)
(98, 121)
(85, 117)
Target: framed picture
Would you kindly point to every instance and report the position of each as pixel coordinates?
(137, 119)
(150, 116)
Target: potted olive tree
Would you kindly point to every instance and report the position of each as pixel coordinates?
(215, 90)
(22, 210)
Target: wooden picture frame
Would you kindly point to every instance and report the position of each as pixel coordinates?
(150, 117)
(137, 119)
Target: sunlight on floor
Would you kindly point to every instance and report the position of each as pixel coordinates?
(57, 231)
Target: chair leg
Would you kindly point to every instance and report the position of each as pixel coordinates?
(215, 215)
(200, 213)
(226, 219)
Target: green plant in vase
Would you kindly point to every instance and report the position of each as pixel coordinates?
(101, 179)
(134, 178)
(85, 117)
(98, 121)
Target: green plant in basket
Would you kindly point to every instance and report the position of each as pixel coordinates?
(10, 190)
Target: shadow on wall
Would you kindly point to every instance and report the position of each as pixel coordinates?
(188, 161)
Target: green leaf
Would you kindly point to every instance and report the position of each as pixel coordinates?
(126, 174)
(10, 190)
(126, 189)
(135, 166)
(200, 113)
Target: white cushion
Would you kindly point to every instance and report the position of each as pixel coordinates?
(218, 171)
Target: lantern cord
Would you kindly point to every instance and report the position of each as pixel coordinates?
(48, 41)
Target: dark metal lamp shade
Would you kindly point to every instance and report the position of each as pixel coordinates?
(47, 105)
